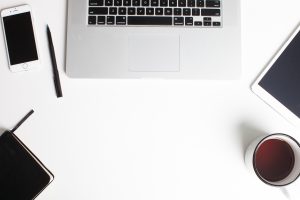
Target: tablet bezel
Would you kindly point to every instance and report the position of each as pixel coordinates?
(266, 96)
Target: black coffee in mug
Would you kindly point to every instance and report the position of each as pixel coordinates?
(274, 160)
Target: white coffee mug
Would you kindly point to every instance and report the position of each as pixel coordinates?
(251, 152)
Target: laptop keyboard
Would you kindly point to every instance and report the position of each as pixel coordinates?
(176, 13)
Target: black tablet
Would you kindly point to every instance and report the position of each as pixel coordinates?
(22, 174)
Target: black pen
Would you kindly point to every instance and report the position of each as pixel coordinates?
(18, 124)
(22, 120)
(54, 65)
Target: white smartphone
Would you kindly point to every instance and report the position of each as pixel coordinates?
(22, 51)
(279, 84)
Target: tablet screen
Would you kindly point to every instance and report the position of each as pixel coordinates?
(282, 80)
(21, 176)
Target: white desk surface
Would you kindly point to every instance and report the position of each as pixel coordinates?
(148, 139)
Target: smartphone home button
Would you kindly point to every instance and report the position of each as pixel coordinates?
(25, 66)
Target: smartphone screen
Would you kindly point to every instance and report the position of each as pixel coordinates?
(20, 38)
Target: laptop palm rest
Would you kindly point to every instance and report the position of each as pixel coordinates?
(154, 53)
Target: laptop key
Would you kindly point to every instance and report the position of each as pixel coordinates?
(186, 11)
(210, 12)
(122, 11)
(200, 3)
(189, 21)
(149, 11)
(198, 23)
(178, 21)
(92, 20)
(96, 2)
(207, 18)
(101, 20)
(147, 20)
(177, 11)
(159, 11)
(131, 11)
(121, 20)
(173, 3)
(108, 3)
(191, 3)
(213, 3)
(154, 2)
(195, 11)
(145, 2)
(168, 11)
(126, 2)
(110, 20)
(113, 10)
(136, 2)
(182, 3)
(207, 23)
(140, 11)
(163, 3)
(98, 11)
(216, 23)
(117, 2)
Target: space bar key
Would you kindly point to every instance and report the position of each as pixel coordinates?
(136, 20)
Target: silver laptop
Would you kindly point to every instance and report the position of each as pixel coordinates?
(186, 39)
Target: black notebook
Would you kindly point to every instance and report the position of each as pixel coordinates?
(22, 174)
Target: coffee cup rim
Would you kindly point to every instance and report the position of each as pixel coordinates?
(253, 159)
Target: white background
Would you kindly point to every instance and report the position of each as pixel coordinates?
(148, 139)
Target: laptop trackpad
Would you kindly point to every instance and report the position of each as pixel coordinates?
(154, 53)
